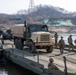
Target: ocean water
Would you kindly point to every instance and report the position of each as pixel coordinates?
(9, 68)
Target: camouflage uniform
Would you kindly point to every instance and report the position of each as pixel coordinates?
(61, 45)
(75, 42)
(2, 40)
(56, 39)
(51, 66)
(70, 41)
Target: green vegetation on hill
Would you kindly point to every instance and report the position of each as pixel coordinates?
(58, 22)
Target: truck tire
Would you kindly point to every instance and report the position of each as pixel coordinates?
(49, 49)
(32, 47)
(18, 44)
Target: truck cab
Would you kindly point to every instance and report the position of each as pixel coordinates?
(30, 29)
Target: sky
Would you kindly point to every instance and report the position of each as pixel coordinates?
(12, 6)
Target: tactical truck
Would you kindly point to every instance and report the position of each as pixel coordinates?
(35, 36)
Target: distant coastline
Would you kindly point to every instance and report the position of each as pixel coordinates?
(63, 29)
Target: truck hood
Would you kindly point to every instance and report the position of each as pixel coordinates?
(41, 33)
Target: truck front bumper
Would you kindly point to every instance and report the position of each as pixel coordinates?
(44, 44)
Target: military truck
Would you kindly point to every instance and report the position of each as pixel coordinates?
(35, 36)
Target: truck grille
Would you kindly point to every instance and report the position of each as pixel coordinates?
(45, 38)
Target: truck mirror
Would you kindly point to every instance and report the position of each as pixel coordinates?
(25, 23)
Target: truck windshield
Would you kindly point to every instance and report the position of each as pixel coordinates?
(35, 28)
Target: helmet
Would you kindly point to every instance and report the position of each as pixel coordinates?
(70, 35)
(61, 37)
(51, 60)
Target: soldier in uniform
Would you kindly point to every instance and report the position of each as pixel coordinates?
(56, 39)
(51, 65)
(70, 41)
(2, 39)
(75, 42)
(61, 45)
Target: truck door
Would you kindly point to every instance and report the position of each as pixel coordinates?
(27, 33)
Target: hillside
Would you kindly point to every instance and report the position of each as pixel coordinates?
(39, 14)
(43, 12)
(51, 13)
